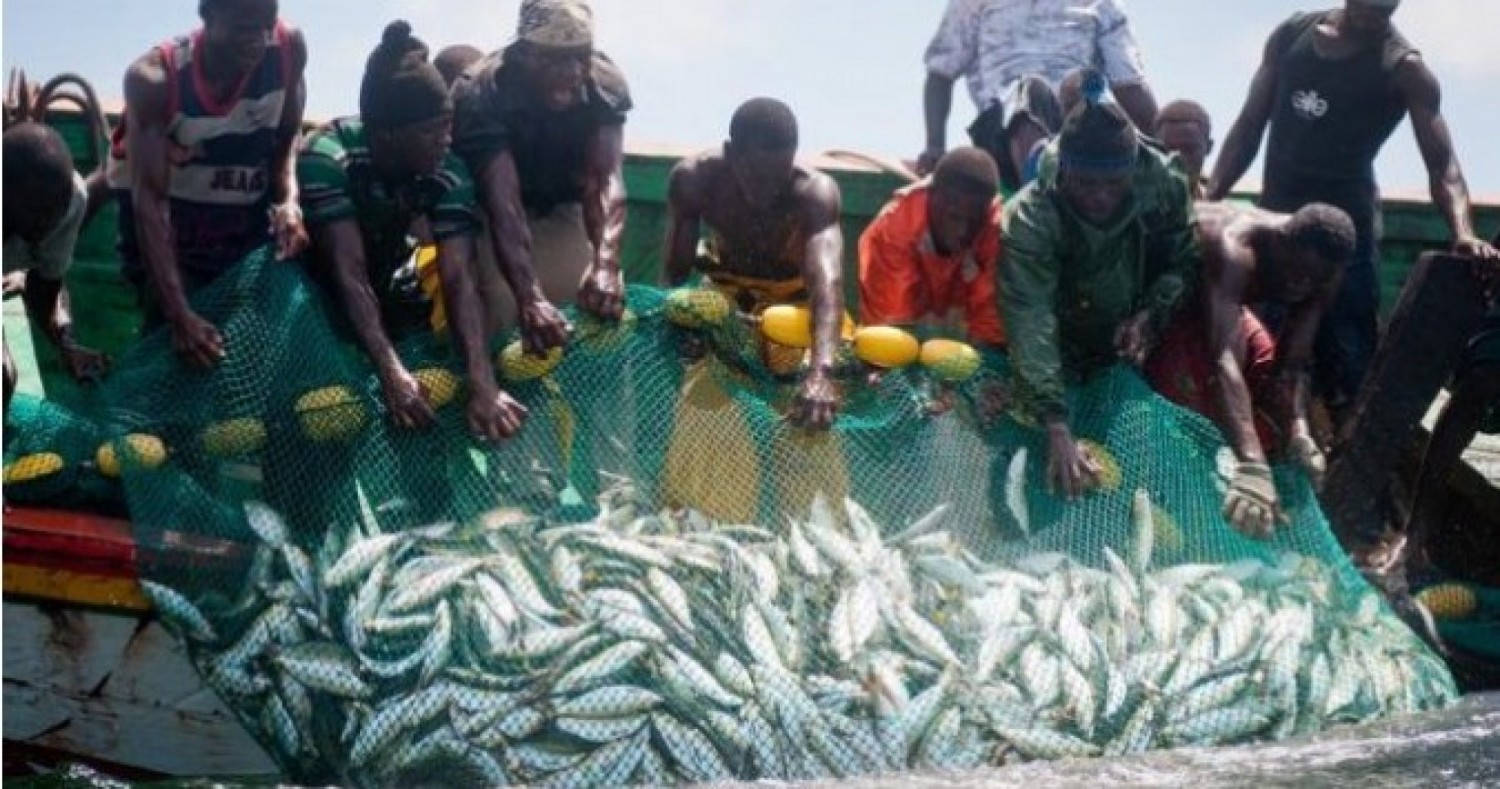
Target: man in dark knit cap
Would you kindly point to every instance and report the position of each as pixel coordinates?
(364, 181)
(540, 124)
(1099, 251)
(773, 238)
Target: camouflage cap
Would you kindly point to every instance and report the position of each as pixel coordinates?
(563, 24)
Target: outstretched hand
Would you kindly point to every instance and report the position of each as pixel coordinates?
(1251, 505)
(1071, 468)
(406, 400)
(817, 402)
(543, 327)
(494, 416)
(602, 293)
(1134, 338)
(196, 342)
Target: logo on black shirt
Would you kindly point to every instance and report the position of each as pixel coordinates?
(1309, 105)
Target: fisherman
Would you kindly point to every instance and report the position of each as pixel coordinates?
(1473, 406)
(1332, 86)
(1184, 128)
(930, 258)
(1217, 358)
(775, 236)
(203, 163)
(540, 124)
(1013, 54)
(44, 204)
(1099, 251)
(364, 179)
(454, 60)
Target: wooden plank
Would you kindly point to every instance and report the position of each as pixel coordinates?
(1439, 309)
(120, 689)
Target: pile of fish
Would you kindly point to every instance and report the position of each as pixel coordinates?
(659, 647)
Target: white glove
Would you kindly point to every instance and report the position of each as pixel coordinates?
(1250, 505)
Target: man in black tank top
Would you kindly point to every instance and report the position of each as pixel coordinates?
(1333, 86)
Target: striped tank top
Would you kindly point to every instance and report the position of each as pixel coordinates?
(222, 155)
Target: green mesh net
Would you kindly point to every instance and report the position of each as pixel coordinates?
(658, 580)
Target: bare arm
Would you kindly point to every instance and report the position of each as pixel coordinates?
(286, 215)
(147, 99)
(1243, 142)
(499, 185)
(1424, 99)
(684, 221)
(1296, 353)
(492, 414)
(937, 103)
(604, 221)
(47, 307)
(342, 248)
(822, 270)
(1223, 295)
(1139, 103)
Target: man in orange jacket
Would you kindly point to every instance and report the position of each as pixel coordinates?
(930, 258)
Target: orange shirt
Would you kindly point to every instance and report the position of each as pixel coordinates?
(904, 281)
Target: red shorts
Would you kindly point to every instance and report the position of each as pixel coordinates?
(1183, 370)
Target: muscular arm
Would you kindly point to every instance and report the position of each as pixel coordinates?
(146, 102)
(822, 267)
(937, 103)
(284, 160)
(1424, 99)
(684, 222)
(341, 247)
(500, 193)
(456, 259)
(1243, 142)
(1223, 295)
(1139, 103)
(604, 197)
(1296, 352)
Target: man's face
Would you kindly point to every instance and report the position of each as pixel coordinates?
(558, 75)
(420, 147)
(241, 31)
(1096, 197)
(763, 176)
(1300, 275)
(956, 218)
(1367, 19)
(32, 219)
(1188, 141)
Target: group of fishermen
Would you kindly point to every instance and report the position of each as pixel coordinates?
(1112, 246)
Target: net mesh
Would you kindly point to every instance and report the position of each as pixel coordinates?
(658, 580)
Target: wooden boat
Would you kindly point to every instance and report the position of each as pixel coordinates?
(91, 677)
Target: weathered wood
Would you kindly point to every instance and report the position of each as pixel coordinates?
(118, 688)
(1440, 308)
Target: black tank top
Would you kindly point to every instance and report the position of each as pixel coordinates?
(1331, 117)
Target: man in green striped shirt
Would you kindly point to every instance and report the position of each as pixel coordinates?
(365, 181)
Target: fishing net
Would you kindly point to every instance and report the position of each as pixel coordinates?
(659, 580)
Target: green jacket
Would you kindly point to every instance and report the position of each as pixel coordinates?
(1066, 285)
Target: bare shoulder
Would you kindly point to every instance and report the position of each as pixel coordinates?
(297, 43)
(817, 193)
(692, 179)
(147, 83)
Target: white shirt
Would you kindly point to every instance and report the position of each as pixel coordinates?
(994, 43)
(51, 256)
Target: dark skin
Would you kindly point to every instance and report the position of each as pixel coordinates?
(32, 219)
(400, 156)
(1247, 259)
(1097, 198)
(234, 42)
(1346, 33)
(766, 209)
(937, 104)
(1192, 144)
(558, 77)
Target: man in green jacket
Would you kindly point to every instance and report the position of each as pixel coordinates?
(1099, 252)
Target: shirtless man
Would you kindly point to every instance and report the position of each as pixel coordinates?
(1215, 357)
(775, 235)
(203, 163)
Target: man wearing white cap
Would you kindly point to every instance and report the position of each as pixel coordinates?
(540, 125)
(1333, 87)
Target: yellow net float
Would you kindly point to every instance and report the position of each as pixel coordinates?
(333, 413)
(146, 451)
(886, 346)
